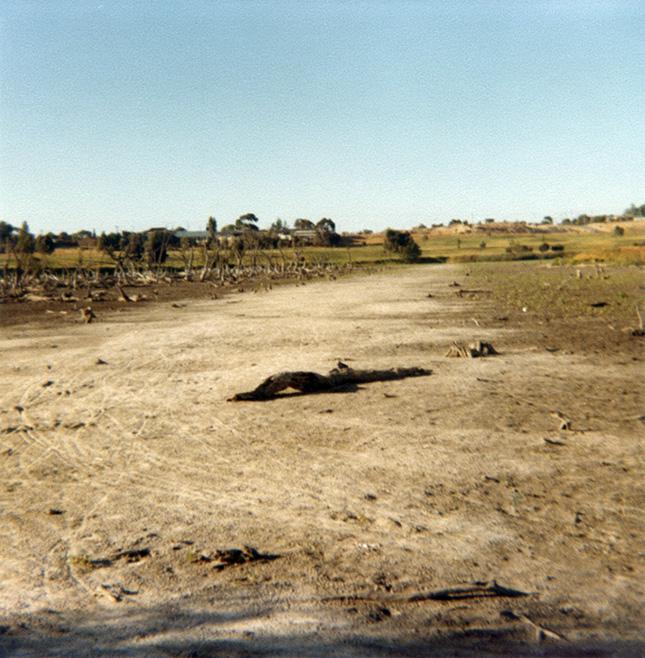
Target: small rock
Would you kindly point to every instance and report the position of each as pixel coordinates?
(378, 614)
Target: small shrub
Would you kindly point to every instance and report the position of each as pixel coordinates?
(544, 247)
(618, 231)
(557, 247)
(25, 243)
(517, 249)
(401, 242)
(411, 251)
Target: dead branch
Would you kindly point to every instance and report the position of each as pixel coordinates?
(477, 591)
(311, 382)
(123, 296)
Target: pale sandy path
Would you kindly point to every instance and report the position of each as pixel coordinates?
(399, 487)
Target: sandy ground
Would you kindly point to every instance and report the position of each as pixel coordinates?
(368, 498)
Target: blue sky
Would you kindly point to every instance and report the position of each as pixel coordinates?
(376, 114)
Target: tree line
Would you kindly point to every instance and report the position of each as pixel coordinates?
(152, 245)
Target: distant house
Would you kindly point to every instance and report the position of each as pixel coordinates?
(196, 236)
(87, 243)
(305, 236)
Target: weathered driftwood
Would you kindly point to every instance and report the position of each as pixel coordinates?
(312, 382)
(472, 351)
(479, 590)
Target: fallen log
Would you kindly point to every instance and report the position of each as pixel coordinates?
(311, 382)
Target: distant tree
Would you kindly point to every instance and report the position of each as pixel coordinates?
(229, 228)
(411, 252)
(25, 243)
(547, 219)
(45, 244)
(247, 222)
(326, 224)
(156, 247)
(6, 231)
(211, 228)
(635, 211)
(326, 233)
(134, 247)
(82, 234)
(6, 236)
(401, 242)
(64, 239)
(304, 225)
(279, 226)
(328, 239)
(111, 242)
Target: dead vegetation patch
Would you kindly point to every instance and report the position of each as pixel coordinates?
(473, 350)
(228, 557)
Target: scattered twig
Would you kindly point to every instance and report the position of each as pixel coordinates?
(565, 423)
(116, 592)
(123, 296)
(471, 351)
(640, 331)
(542, 632)
(132, 554)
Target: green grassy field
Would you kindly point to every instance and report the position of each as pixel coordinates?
(579, 246)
